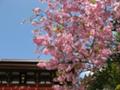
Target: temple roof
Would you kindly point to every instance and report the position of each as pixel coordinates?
(19, 63)
(21, 60)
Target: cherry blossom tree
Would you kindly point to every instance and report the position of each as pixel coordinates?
(78, 34)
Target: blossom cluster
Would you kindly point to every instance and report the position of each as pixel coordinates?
(76, 33)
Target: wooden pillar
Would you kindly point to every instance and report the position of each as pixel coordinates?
(22, 79)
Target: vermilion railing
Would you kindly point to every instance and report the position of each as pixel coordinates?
(25, 87)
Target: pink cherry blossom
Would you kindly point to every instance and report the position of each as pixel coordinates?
(57, 87)
(69, 76)
(36, 11)
(106, 52)
(76, 32)
(46, 51)
(97, 62)
(34, 23)
(42, 64)
(38, 40)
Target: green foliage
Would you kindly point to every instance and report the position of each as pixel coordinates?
(117, 87)
(118, 36)
(108, 78)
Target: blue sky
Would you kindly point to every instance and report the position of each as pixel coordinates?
(16, 38)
